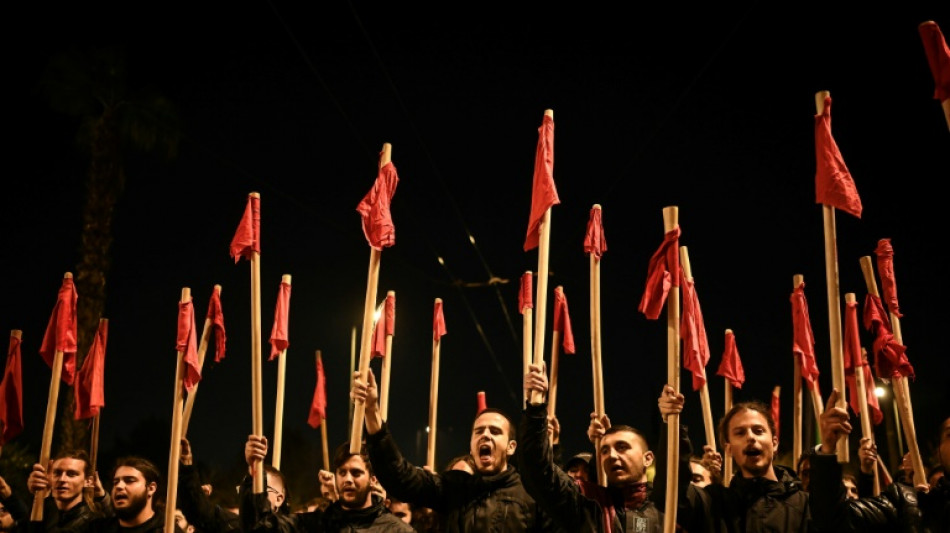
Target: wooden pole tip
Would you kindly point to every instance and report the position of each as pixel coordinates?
(285, 279)
(596, 206)
(185, 294)
(255, 195)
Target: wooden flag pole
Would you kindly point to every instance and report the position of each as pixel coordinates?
(818, 406)
(353, 358)
(257, 406)
(369, 308)
(595, 352)
(727, 460)
(541, 300)
(323, 428)
(670, 222)
(704, 392)
(202, 350)
(797, 410)
(867, 429)
(36, 514)
(899, 384)
(552, 380)
(174, 448)
(526, 340)
(834, 303)
(433, 398)
(387, 368)
(94, 437)
(279, 408)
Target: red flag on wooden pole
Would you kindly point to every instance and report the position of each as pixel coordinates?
(247, 237)
(562, 320)
(834, 185)
(375, 211)
(885, 268)
(482, 403)
(853, 361)
(61, 331)
(379, 331)
(525, 296)
(11, 391)
(731, 366)
(594, 240)
(216, 316)
(279, 335)
(938, 57)
(543, 191)
(693, 333)
(803, 339)
(318, 405)
(662, 273)
(187, 344)
(890, 358)
(90, 382)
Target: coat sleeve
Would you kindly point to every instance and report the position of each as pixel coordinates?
(399, 477)
(197, 507)
(831, 510)
(257, 515)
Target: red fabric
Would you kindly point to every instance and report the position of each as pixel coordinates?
(776, 409)
(853, 359)
(11, 394)
(385, 325)
(438, 322)
(834, 185)
(90, 383)
(731, 366)
(525, 298)
(803, 340)
(377, 219)
(594, 241)
(318, 405)
(885, 268)
(61, 331)
(279, 335)
(187, 344)
(216, 315)
(693, 333)
(890, 358)
(543, 191)
(662, 273)
(562, 320)
(247, 237)
(938, 57)
(482, 403)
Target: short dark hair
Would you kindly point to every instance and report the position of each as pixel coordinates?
(752, 405)
(464, 458)
(147, 468)
(342, 454)
(623, 427)
(489, 410)
(79, 455)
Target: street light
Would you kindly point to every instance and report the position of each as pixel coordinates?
(879, 392)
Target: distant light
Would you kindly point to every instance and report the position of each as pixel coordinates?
(376, 314)
(427, 429)
(441, 262)
(471, 239)
(879, 392)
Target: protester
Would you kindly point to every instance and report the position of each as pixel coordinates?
(490, 499)
(182, 523)
(850, 486)
(578, 467)
(65, 509)
(701, 475)
(13, 513)
(195, 503)
(135, 485)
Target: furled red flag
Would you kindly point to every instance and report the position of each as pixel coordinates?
(562, 320)
(662, 274)
(482, 403)
(247, 238)
(803, 340)
(885, 268)
(90, 383)
(11, 394)
(279, 336)
(543, 191)
(216, 315)
(776, 408)
(61, 331)
(890, 358)
(525, 298)
(594, 241)
(374, 209)
(693, 333)
(438, 322)
(834, 185)
(187, 344)
(731, 366)
(938, 56)
(318, 406)
(385, 325)
(853, 360)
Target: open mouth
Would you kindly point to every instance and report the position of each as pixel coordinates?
(752, 452)
(484, 450)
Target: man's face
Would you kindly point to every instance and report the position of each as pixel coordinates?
(275, 491)
(401, 510)
(624, 458)
(944, 449)
(130, 493)
(752, 444)
(353, 483)
(578, 471)
(851, 490)
(68, 479)
(805, 474)
(701, 476)
(490, 444)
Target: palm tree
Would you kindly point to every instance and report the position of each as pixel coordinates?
(113, 123)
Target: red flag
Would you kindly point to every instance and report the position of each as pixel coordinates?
(187, 344)
(938, 56)
(776, 408)
(11, 394)
(803, 340)
(525, 298)
(385, 325)
(90, 385)
(885, 268)
(318, 406)
(594, 241)
(562, 320)
(693, 333)
(890, 359)
(61, 331)
(662, 274)
(216, 315)
(731, 366)
(543, 191)
(374, 209)
(834, 185)
(482, 403)
(279, 337)
(854, 360)
(438, 321)
(247, 239)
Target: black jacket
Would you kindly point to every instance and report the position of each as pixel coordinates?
(197, 507)
(464, 502)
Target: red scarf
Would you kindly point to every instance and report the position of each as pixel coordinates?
(634, 495)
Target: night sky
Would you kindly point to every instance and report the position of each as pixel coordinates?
(711, 112)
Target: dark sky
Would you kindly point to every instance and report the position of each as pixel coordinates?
(710, 111)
